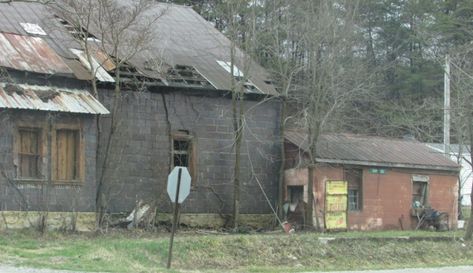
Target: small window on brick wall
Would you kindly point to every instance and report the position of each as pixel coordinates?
(67, 155)
(29, 153)
(183, 153)
(420, 187)
(354, 177)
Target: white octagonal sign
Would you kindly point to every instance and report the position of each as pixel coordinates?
(184, 188)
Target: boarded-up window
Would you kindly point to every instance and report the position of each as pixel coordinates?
(29, 153)
(354, 177)
(183, 153)
(67, 155)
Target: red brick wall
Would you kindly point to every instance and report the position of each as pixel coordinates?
(386, 198)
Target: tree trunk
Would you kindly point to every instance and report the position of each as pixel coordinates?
(237, 123)
(460, 198)
(309, 219)
(281, 185)
(469, 228)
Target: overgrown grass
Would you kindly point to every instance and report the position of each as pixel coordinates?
(145, 252)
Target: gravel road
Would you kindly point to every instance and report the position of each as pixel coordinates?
(456, 269)
(10, 269)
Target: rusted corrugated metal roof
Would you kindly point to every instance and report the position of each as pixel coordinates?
(14, 13)
(49, 99)
(182, 37)
(100, 73)
(29, 53)
(373, 151)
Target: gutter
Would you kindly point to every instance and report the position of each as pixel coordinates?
(388, 165)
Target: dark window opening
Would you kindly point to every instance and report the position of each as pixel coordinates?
(353, 200)
(29, 153)
(295, 194)
(77, 32)
(239, 77)
(251, 88)
(130, 76)
(183, 153)
(354, 177)
(187, 76)
(67, 155)
(419, 194)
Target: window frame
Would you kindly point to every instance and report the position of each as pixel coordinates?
(424, 181)
(183, 135)
(80, 149)
(357, 198)
(42, 151)
(351, 187)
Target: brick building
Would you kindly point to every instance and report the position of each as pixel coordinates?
(386, 178)
(56, 143)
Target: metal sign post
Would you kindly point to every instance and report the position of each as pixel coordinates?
(178, 188)
(174, 220)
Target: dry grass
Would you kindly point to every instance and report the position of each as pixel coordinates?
(146, 252)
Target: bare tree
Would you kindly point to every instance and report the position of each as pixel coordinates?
(109, 34)
(231, 12)
(321, 67)
(461, 110)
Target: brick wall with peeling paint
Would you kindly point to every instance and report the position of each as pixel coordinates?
(138, 164)
(386, 198)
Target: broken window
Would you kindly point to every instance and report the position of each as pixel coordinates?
(183, 152)
(239, 76)
(29, 153)
(67, 155)
(129, 75)
(188, 76)
(419, 190)
(228, 67)
(295, 194)
(77, 32)
(354, 177)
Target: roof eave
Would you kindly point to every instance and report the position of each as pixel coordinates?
(389, 165)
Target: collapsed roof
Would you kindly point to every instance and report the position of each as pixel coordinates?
(189, 50)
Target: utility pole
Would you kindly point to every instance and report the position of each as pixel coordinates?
(446, 108)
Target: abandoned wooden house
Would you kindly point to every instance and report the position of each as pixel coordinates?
(387, 181)
(61, 150)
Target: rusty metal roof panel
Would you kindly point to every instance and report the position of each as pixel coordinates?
(369, 150)
(29, 53)
(29, 97)
(100, 73)
(13, 14)
(182, 37)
